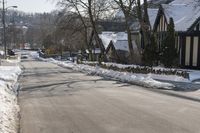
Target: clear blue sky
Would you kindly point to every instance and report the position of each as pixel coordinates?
(33, 6)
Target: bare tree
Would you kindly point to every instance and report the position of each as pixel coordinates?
(143, 18)
(89, 11)
(70, 31)
(75, 6)
(127, 7)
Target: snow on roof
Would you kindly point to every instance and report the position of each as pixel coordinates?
(183, 12)
(182, 2)
(120, 40)
(121, 45)
(121, 36)
(119, 14)
(152, 16)
(106, 37)
(24, 27)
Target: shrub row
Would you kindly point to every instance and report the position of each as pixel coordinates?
(142, 70)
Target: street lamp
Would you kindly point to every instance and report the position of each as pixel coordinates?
(4, 27)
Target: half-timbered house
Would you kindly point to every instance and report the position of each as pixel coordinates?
(186, 16)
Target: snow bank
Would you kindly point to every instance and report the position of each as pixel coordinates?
(121, 76)
(8, 101)
(15, 60)
(18, 60)
(34, 54)
(9, 73)
(194, 76)
(157, 73)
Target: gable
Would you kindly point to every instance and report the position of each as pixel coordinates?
(196, 26)
(152, 13)
(161, 22)
(107, 37)
(184, 13)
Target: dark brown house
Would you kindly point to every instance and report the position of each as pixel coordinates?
(186, 16)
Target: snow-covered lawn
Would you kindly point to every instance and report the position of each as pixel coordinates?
(8, 100)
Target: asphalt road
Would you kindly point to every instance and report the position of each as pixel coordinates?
(60, 100)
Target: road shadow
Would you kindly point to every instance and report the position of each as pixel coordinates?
(68, 84)
(45, 73)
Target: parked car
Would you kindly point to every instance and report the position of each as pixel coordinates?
(11, 52)
(24, 55)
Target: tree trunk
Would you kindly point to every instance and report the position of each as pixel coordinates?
(144, 22)
(97, 39)
(88, 44)
(130, 44)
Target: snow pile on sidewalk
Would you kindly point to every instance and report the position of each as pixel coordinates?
(121, 76)
(34, 54)
(161, 76)
(14, 61)
(9, 73)
(8, 101)
(194, 76)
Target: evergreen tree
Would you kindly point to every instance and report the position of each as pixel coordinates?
(168, 51)
(150, 52)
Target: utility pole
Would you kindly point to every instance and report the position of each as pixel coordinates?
(4, 26)
(4, 30)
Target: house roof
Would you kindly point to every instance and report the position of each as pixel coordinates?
(121, 45)
(152, 12)
(119, 40)
(106, 37)
(121, 36)
(184, 2)
(184, 13)
(119, 14)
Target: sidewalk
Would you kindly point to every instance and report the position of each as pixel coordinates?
(10, 62)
